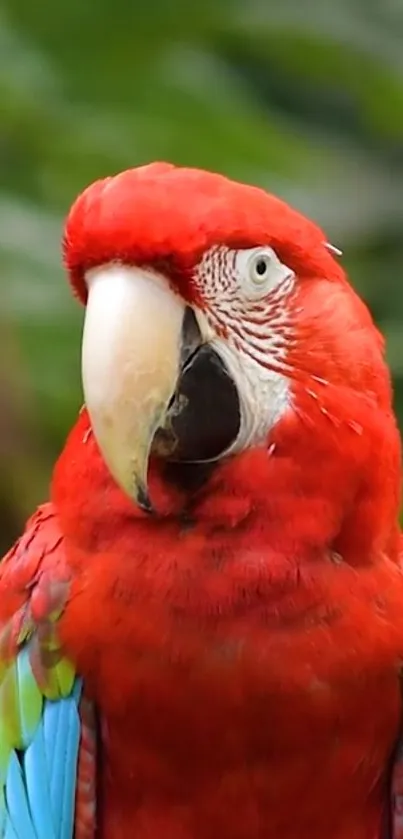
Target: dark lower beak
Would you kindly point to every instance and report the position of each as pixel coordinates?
(203, 418)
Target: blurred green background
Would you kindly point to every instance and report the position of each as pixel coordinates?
(304, 98)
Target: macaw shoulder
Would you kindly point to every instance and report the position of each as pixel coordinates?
(37, 557)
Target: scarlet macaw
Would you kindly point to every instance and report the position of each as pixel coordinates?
(202, 631)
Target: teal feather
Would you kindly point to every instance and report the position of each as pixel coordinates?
(62, 736)
(19, 816)
(40, 785)
(10, 832)
(37, 785)
(69, 786)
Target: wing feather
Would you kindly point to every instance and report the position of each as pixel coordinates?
(41, 731)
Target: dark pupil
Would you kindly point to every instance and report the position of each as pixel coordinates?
(261, 267)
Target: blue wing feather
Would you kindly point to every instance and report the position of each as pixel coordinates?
(69, 785)
(10, 832)
(37, 785)
(41, 781)
(50, 733)
(19, 822)
(62, 783)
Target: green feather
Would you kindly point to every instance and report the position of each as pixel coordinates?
(29, 696)
(37, 671)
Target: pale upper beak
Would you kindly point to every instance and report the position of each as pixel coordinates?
(130, 365)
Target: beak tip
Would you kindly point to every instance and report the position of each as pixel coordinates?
(143, 499)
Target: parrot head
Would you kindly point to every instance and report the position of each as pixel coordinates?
(216, 316)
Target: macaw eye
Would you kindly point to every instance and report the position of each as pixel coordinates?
(261, 271)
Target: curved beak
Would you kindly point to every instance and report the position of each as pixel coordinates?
(131, 357)
(151, 382)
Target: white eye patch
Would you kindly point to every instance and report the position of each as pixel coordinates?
(260, 271)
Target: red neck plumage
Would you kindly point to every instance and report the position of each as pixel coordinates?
(322, 484)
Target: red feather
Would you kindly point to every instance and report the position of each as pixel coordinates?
(168, 216)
